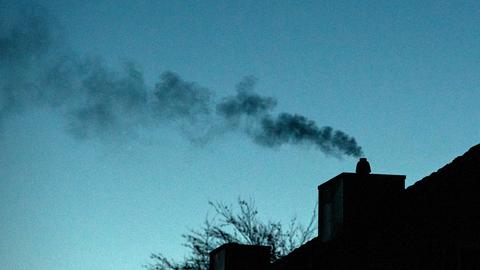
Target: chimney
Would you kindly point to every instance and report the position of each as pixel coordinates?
(233, 256)
(355, 204)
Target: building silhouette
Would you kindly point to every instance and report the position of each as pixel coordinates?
(370, 221)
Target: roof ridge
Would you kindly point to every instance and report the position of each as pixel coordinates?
(471, 153)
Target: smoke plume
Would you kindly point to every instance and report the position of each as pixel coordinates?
(38, 69)
(285, 128)
(178, 99)
(246, 102)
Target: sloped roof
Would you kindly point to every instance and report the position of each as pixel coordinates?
(430, 209)
(466, 165)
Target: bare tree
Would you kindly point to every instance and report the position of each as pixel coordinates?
(230, 226)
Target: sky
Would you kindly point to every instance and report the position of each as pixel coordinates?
(120, 120)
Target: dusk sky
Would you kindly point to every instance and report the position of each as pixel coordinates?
(103, 163)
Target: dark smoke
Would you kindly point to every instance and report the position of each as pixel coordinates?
(246, 102)
(38, 69)
(111, 102)
(296, 129)
(285, 128)
(179, 99)
(24, 48)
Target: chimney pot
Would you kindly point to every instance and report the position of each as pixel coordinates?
(363, 167)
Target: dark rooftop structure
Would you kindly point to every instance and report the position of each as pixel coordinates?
(234, 256)
(370, 221)
(353, 204)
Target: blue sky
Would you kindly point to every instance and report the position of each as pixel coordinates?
(402, 77)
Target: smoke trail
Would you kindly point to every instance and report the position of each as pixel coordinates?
(111, 102)
(296, 129)
(178, 99)
(246, 102)
(38, 69)
(23, 49)
(271, 131)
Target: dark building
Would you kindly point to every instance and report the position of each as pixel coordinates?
(353, 204)
(234, 256)
(370, 221)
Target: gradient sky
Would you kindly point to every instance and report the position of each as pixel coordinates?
(402, 77)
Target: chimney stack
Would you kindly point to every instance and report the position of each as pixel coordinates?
(352, 204)
(233, 256)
